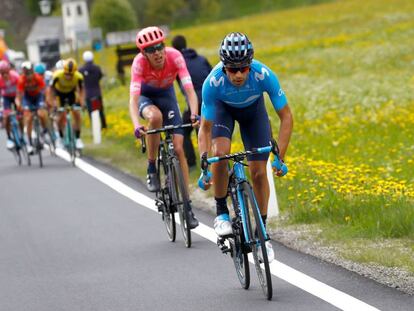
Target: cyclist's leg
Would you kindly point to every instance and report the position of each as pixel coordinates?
(76, 114)
(28, 118)
(221, 144)
(255, 132)
(61, 116)
(150, 112)
(41, 112)
(7, 102)
(166, 101)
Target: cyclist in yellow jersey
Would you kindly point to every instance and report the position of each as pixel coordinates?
(67, 86)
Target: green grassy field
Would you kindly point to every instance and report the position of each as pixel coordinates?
(347, 68)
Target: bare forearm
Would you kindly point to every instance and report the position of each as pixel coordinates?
(204, 136)
(285, 130)
(192, 101)
(133, 110)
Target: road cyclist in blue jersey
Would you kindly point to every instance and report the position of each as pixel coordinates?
(234, 92)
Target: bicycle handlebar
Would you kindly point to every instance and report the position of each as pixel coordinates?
(168, 128)
(239, 156)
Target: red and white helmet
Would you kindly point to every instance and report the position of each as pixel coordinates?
(149, 36)
(4, 66)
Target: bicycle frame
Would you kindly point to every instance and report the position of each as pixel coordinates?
(240, 178)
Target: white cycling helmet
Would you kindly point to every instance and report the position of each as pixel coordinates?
(87, 56)
(59, 64)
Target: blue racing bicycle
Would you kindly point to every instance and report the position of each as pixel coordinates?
(249, 233)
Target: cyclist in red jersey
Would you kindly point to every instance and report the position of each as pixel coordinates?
(29, 95)
(8, 85)
(153, 98)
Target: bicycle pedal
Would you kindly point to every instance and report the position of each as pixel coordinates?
(222, 245)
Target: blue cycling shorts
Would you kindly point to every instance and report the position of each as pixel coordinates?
(253, 122)
(166, 101)
(8, 101)
(33, 102)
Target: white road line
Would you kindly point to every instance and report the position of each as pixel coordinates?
(325, 292)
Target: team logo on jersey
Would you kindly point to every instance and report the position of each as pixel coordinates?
(280, 93)
(171, 114)
(261, 76)
(213, 81)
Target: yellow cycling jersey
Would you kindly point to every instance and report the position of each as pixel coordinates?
(64, 85)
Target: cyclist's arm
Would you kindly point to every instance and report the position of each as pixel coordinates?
(192, 100)
(204, 136)
(81, 92)
(271, 85)
(133, 109)
(285, 129)
(207, 117)
(19, 92)
(186, 83)
(135, 91)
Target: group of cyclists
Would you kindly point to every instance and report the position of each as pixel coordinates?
(233, 91)
(33, 89)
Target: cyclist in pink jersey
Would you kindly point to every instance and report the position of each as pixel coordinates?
(152, 97)
(8, 85)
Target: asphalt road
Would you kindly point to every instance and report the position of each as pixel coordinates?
(70, 242)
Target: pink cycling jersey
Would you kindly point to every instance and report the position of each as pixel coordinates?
(142, 72)
(8, 87)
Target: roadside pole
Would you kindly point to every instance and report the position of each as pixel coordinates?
(272, 207)
(96, 126)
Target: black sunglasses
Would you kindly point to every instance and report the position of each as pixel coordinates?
(237, 69)
(154, 48)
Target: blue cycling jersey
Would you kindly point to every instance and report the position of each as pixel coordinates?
(217, 89)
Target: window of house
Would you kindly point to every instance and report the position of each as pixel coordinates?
(79, 9)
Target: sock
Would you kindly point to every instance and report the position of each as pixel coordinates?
(77, 134)
(221, 206)
(264, 218)
(61, 133)
(151, 167)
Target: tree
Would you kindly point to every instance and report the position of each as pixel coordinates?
(163, 11)
(113, 15)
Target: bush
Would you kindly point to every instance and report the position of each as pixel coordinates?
(113, 15)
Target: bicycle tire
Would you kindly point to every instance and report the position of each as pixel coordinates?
(266, 279)
(238, 251)
(52, 141)
(181, 200)
(16, 150)
(164, 195)
(38, 144)
(70, 141)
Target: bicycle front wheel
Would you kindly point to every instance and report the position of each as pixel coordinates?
(37, 142)
(70, 139)
(238, 250)
(257, 236)
(181, 200)
(164, 196)
(16, 150)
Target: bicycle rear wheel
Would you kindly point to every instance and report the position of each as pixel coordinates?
(262, 267)
(164, 196)
(181, 200)
(238, 250)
